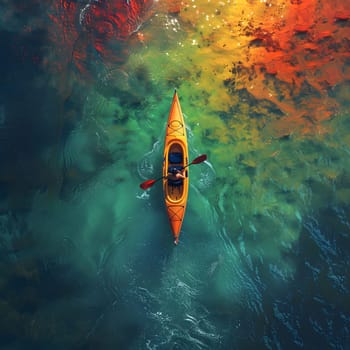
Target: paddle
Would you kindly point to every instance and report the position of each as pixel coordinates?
(149, 183)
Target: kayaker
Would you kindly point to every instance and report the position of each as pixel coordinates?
(176, 174)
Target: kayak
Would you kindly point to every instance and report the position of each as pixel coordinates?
(175, 157)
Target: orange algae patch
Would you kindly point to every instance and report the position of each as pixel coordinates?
(317, 59)
(342, 15)
(324, 34)
(170, 6)
(331, 73)
(301, 28)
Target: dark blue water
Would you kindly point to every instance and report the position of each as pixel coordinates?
(86, 257)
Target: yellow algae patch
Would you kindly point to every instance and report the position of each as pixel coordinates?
(214, 128)
(331, 174)
(223, 155)
(252, 163)
(244, 184)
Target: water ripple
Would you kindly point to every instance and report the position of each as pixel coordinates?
(326, 246)
(207, 176)
(286, 315)
(238, 279)
(145, 167)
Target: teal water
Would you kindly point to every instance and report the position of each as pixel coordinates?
(87, 258)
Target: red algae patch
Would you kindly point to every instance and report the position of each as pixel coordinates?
(342, 16)
(301, 28)
(85, 34)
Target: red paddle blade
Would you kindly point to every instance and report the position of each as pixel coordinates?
(199, 159)
(147, 184)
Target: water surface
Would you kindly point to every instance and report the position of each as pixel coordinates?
(87, 258)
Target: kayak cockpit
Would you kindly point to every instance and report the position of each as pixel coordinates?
(174, 162)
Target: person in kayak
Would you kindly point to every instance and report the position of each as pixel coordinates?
(174, 173)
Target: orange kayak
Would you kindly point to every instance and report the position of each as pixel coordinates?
(175, 157)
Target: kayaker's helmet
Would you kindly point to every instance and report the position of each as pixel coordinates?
(173, 170)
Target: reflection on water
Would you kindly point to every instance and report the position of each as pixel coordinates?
(87, 259)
